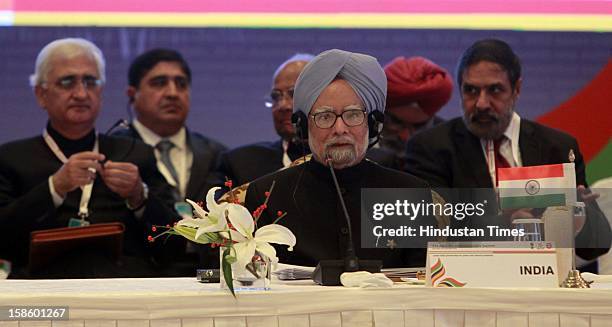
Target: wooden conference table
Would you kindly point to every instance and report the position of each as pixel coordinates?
(185, 302)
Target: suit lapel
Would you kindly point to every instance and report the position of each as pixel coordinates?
(200, 166)
(134, 133)
(529, 145)
(277, 160)
(471, 159)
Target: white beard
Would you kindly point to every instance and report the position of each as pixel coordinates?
(345, 156)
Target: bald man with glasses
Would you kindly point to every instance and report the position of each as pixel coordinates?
(237, 164)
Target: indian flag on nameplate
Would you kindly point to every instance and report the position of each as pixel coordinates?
(537, 186)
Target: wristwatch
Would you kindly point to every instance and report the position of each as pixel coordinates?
(145, 196)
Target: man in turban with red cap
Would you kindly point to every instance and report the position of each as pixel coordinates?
(417, 89)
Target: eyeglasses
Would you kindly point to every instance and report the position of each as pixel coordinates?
(351, 118)
(69, 83)
(277, 95)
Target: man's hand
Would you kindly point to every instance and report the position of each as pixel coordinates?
(79, 170)
(124, 179)
(585, 195)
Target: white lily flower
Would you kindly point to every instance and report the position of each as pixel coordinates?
(247, 244)
(207, 222)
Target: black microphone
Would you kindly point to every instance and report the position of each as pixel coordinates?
(327, 272)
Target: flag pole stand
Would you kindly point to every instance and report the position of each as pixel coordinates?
(574, 279)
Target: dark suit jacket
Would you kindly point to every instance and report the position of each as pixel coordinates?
(26, 203)
(389, 156)
(314, 214)
(171, 254)
(448, 155)
(206, 153)
(249, 162)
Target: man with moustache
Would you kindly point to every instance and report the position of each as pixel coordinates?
(465, 152)
(160, 93)
(338, 100)
(248, 162)
(72, 175)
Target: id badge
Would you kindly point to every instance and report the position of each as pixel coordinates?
(75, 222)
(183, 209)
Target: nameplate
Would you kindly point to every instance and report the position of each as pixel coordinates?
(492, 264)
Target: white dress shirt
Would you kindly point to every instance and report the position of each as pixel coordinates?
(509, 149)
(180, 155)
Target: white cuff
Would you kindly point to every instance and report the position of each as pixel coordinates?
(57, 199)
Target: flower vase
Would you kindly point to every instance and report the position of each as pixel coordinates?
(256, 276)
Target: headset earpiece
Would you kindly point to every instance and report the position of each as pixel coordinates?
(300, 123)
(375, 125)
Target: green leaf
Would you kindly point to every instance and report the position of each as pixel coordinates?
(190, 232)
(231, 259)
(227, 271)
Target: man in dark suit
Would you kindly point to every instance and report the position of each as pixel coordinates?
(465, 152)
(248, 162)
(338, 104)
(159, 91)
(71, 175)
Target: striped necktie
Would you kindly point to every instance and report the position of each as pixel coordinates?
(164, 146)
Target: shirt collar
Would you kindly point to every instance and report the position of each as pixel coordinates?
(151, 138)
(70, 147)
(512, 133)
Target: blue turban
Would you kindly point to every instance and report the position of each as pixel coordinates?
(362, 72)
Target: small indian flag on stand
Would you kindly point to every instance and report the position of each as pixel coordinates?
(537, 186)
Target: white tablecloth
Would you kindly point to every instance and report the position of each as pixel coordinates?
(185, 302)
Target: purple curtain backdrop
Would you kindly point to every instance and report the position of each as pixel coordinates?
(232, 68)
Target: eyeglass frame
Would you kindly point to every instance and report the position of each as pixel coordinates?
(341, 115)
(269, 100)
(69, 83)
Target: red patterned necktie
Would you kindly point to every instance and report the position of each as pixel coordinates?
(500, 161)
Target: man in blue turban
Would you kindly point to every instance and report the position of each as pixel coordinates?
(338, 100)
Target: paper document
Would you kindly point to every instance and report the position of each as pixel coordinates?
(291, 272)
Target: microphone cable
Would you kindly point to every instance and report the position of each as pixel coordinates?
(122, 123)
(301, 139)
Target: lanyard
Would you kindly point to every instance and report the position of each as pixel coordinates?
(87, 189)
